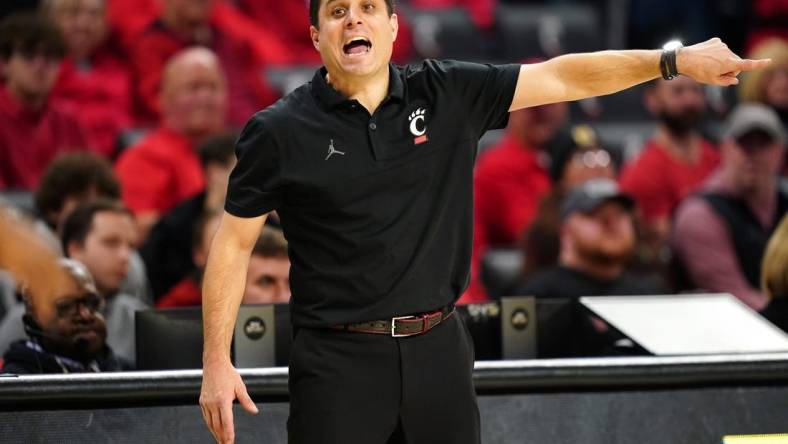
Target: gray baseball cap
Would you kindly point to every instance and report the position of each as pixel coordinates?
(588, 196)
(754, 117)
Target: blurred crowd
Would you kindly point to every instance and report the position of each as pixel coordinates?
(118, 120)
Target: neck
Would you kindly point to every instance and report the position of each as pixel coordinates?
(606, 270)
(684, 146)
(34, 102)
(369, 91)
(195, 137)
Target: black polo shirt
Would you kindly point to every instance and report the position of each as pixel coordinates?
(377, 209)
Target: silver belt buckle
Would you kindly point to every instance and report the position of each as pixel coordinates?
(393, 326)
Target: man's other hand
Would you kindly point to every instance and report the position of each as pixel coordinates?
(221, 385)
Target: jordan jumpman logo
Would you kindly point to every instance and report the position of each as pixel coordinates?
(332, 150)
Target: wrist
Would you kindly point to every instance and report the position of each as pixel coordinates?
(669, 60)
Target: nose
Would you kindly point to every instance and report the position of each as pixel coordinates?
(352, 19)
(83, 312)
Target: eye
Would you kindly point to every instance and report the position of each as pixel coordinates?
(368, 7)
(338, 12)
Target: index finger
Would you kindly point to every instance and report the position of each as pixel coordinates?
(227, 431)
(750, 65)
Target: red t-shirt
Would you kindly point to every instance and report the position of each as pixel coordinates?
(102, 92)
(159, 172)
(184, 294)
(29, 140)
(659, 182)
(509, 184)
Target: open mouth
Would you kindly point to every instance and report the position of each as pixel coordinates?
(356, 46)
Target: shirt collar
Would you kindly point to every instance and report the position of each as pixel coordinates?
(332, 98)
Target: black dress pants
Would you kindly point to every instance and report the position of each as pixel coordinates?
(363, 388)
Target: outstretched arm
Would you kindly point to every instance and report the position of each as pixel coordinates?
(578, 76)
(223, 287)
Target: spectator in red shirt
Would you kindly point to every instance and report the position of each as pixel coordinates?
(185, 23)
(33, 127)
(93, 77)
(674, 162)
(164, 169)
(510, 181)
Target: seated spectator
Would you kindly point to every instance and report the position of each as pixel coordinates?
(168, 250)
(33, 128)
(66, 332)
(94, 78)
(101, 235)
(164, 169)
(675, 162)
(185, 23)
(720, 234)
(581, 160)
(509, 182)
(770, 85)
(188, 291)
(71, 180)
(597, 237)
(774, 279)
(268, 276)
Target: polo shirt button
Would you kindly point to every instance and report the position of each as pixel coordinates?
(372, 126)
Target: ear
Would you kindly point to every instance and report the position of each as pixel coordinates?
(394, 22)
(74, 250)
(314, 34)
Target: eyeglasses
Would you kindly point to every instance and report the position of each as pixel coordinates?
(69, 307)
(592, 158)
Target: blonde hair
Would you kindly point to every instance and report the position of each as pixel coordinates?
(774, 269)
(751, 88)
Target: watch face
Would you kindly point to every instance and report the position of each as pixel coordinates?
(671, 45)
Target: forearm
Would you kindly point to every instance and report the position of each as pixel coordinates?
(605, 72)
(223, 288)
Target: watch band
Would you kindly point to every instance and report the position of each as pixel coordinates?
(667, 60)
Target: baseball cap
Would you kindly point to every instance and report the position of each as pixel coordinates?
(591, 194)
(754, 117)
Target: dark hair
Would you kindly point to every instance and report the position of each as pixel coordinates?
(79, 223)
(73, 175)
(314, 9)
(218, 149)
(271, 243)
(30, 34)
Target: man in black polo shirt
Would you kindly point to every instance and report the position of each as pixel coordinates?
(369, 167)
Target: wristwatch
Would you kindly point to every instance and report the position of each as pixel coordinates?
(667, 62)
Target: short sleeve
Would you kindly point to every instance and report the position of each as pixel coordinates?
(255, 186)
(485, 91)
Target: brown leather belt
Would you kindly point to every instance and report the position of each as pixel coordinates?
(401, 326)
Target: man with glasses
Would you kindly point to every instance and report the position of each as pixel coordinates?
(33, 128)
(66, 332)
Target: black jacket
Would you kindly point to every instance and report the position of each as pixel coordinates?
(28, 357)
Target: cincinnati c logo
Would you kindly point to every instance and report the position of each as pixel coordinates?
(418, 126)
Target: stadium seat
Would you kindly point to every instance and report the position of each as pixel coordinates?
(447, 34)
(547, 31)
(500, 269)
